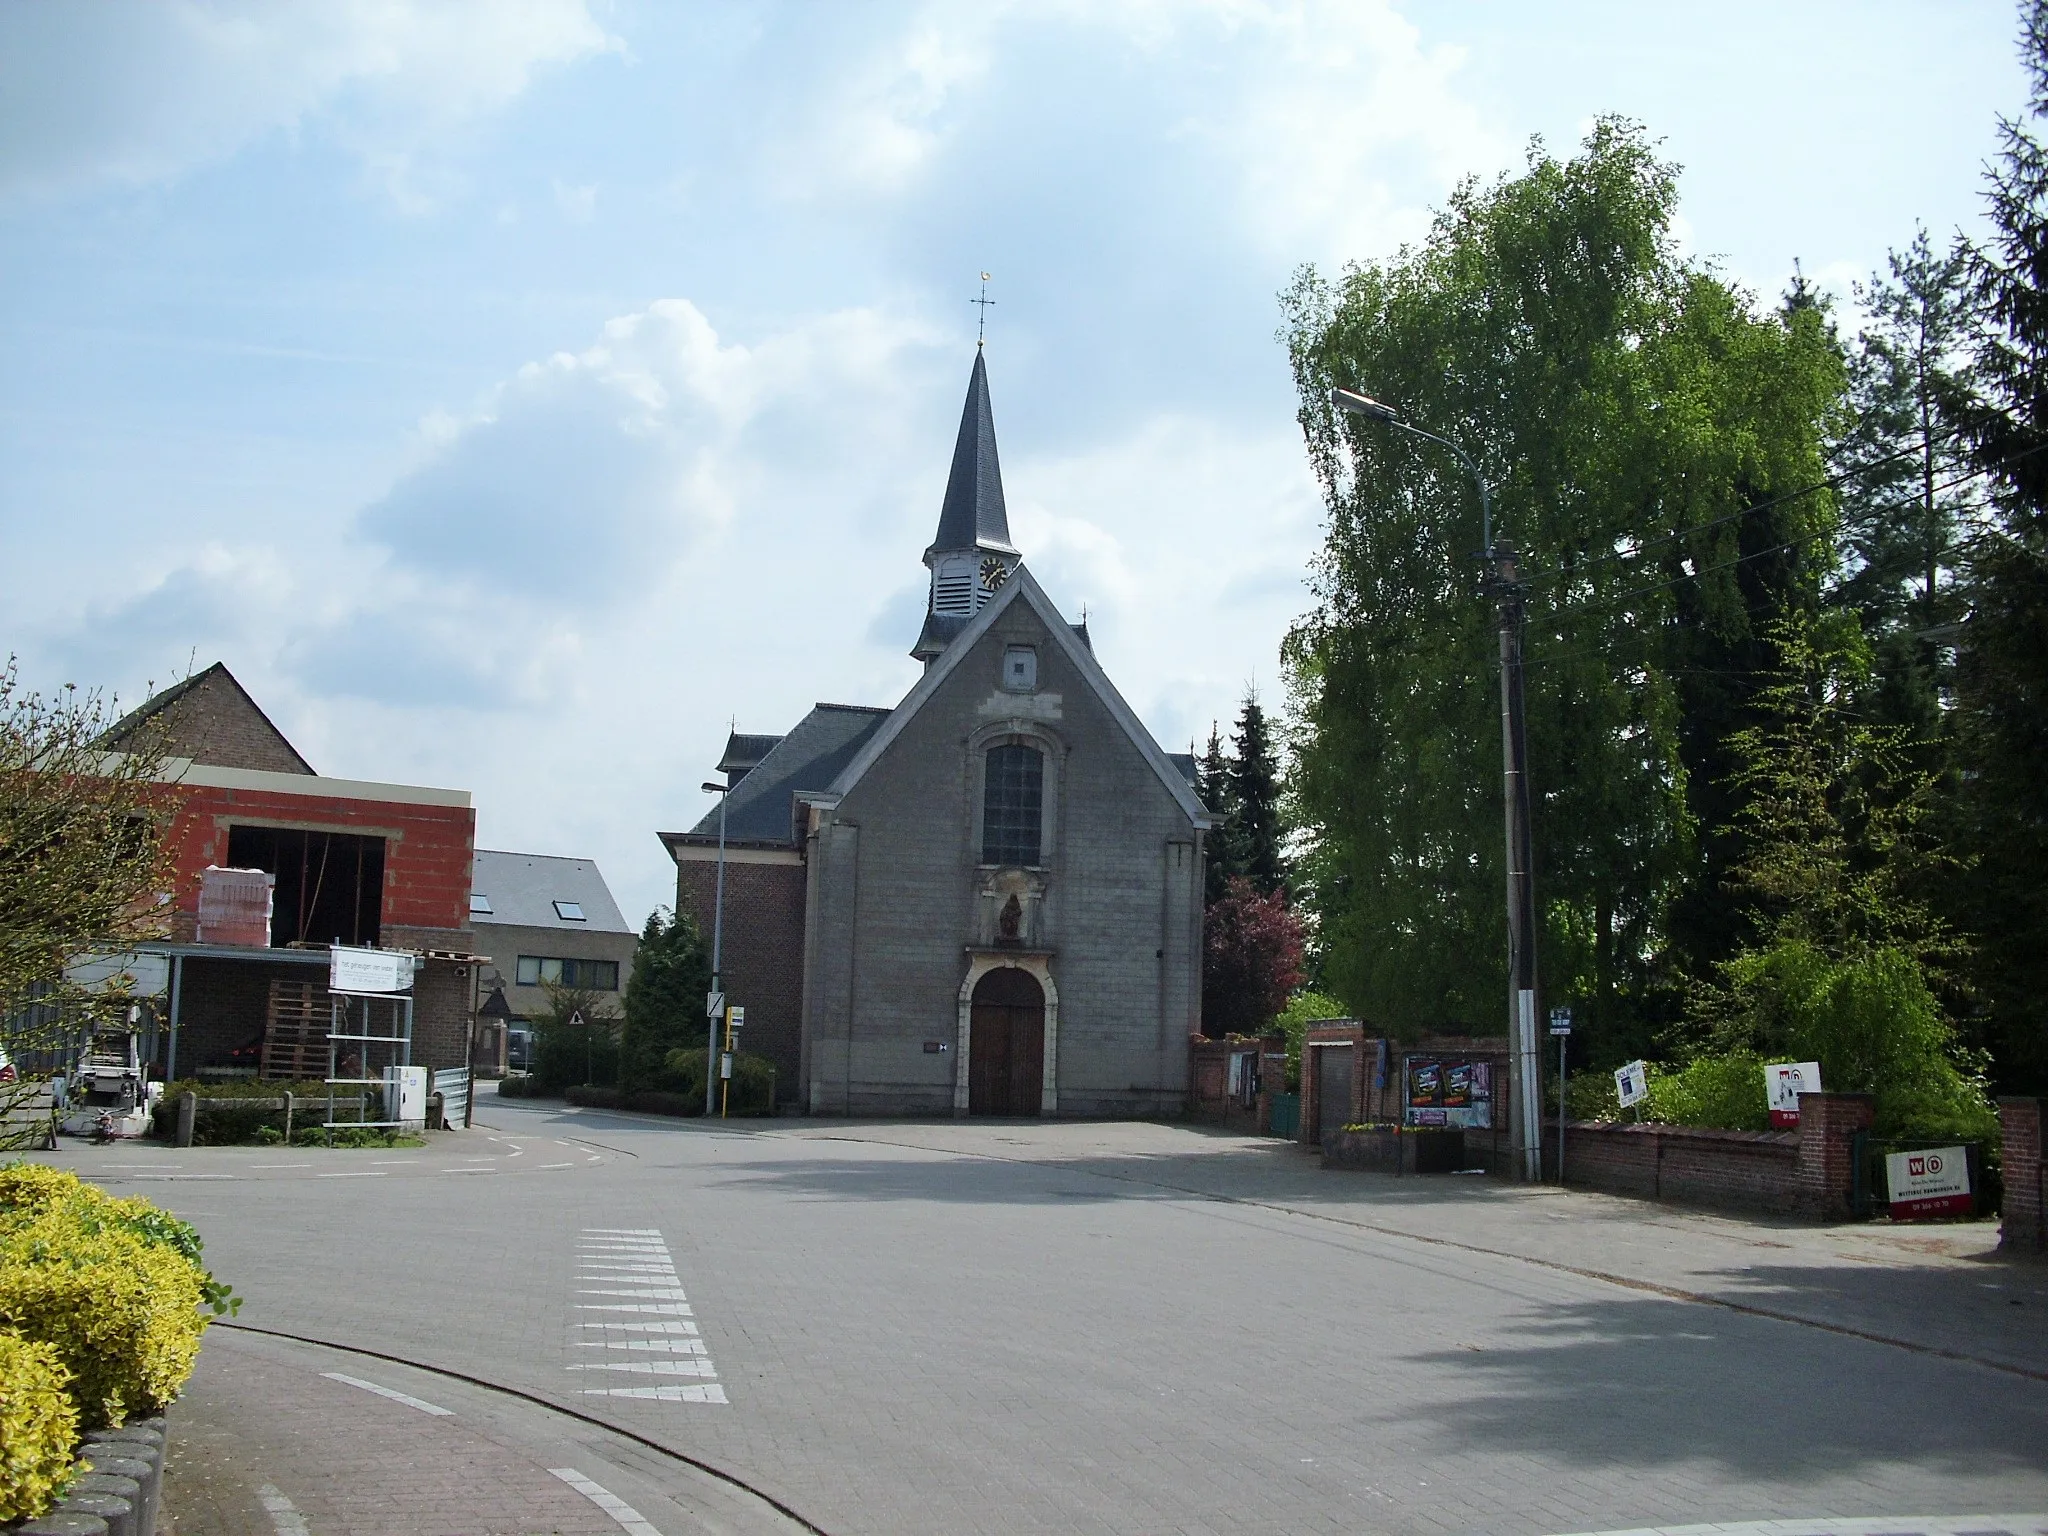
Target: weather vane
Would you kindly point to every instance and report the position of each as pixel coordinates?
(981, 329)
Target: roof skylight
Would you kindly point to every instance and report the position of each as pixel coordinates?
(479, 902)
(570, 911)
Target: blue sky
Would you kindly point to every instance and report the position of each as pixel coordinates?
(513, 395)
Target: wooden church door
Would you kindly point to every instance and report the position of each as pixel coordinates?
(1006, 1044)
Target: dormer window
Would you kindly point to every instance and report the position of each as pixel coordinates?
(1012, 805)
(570, 911)
(1020, 669)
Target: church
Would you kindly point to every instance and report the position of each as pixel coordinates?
(986, 900)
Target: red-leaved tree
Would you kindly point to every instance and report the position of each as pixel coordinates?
(1251, 959)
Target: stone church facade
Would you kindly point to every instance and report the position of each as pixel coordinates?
(985, 901)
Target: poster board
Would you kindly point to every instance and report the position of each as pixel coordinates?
(1934, 1181)
(1632, 1084)
(1447, 1091)
(377, 971)
(1784, 1081)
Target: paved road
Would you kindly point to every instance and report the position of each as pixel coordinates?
(1024, 1327)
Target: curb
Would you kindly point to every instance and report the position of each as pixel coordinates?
(119, 1489)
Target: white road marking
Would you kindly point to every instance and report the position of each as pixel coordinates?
(289, 1521)
(653, 1232)
(643, 1327)
(652, 1367)
(662, 1346)
(691, 1394)
(659, 1309)
(558, 1165)
(395, 1395)
(140, 1178)
(665, 1293)
(165, 1167)
(363, 1173)
(624, 1515)
(268, 1167)
(465, 1170)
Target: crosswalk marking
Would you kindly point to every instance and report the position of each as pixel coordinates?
(624, 1515)
(635, 1266)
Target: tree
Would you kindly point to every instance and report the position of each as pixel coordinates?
(1906, 480)
(2002, 669)
(576, 1039)
(82, 857)
(1213, 786)
(1254, 780)
(1651, 438)
(664, 999)
(1251, 960)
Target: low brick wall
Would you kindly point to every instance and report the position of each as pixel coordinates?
(2022, 1223)
(1807, 1172)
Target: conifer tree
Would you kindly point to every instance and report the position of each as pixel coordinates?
(1254, 776)
(1213, 785)
(2002, 682)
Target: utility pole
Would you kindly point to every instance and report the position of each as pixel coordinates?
(1508, 594)
(716, 1010)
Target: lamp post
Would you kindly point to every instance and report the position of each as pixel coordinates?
(1505, 587)
(717, 953)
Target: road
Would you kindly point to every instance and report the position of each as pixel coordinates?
(1024, 1327)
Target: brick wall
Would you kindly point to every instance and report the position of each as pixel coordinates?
(213, 721)
(2023, 1224)
(763, 953)
(1807, 1172)
(428, 848)
(1209, 1096)
(441, 1002)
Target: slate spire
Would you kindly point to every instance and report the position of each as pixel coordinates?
(971, 556)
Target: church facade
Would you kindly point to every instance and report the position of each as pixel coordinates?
(984, 901)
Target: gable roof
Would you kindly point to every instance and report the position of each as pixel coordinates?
(524, 887)
(1023, 587)
(238, 734)
(973, 513)
(760, 808)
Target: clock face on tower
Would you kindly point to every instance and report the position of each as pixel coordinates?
(993, 573)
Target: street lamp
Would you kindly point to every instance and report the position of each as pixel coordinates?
(717, 951)
(1506, 589)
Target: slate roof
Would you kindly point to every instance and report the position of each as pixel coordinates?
(973, 514)
(1185, 762)
(743, 753)
(761, 807)
(524, 887)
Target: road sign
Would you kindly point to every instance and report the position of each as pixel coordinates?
(1784, 1081)
(736, 1018)
(1632, 1084)
(1560, 1021)
(576, 1019)
(714, 1004)
(1931, 1182)
(725, 1066)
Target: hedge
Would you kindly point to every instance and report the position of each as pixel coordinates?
(228, 1125)
(38, 1427)
(112, 1287)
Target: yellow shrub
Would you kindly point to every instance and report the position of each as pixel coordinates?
(121, 1312)
(38, 1427)
(29, 1189)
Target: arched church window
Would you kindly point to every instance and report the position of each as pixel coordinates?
(1013, 796)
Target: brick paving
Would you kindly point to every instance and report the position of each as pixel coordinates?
(1022, 1327)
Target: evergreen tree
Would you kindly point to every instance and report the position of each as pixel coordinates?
(1906, 481)
(1254, 778)
(2002, 670)
(664, 999)
(1213, 785)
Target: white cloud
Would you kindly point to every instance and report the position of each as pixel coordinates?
(143, 92)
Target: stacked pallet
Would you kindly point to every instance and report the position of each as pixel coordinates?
(295, 1031)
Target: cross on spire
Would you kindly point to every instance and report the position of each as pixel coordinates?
(981, 328)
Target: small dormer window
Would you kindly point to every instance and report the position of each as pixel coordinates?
(569, 911)
(1020, 669)
(479, 904)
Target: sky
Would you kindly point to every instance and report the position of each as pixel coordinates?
(517, 395)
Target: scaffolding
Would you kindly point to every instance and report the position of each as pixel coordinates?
(353, 1043)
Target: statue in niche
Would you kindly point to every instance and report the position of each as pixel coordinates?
(1009, 921)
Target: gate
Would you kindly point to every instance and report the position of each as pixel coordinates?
(452, 1083)
(1333, 1090)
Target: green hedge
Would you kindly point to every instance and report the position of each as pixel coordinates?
(219, 1125)
(38, 1427)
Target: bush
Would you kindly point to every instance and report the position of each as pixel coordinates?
(753, 1082)
(518, 1085)
(114, 1287)
(38, 1427)
(1302, 1010)
(231, 1125)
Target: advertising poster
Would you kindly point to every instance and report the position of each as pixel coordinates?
(1426, 1084)
(1784, 1081)
(1929, 1183)
(1458, 1085)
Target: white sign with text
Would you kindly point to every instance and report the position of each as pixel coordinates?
(368, 970)
(1784, 1081)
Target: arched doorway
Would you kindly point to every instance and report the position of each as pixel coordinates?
(1006, 1044)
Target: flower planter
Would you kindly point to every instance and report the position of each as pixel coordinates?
(120, 1493)
(1396, 1149)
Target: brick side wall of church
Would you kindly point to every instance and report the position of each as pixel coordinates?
(763, 953)
(896, 904)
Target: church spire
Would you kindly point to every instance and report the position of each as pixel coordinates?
(971, 556)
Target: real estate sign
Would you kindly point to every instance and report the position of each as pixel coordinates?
(1632, 1083)
(368, 970)
(1933, 1182)
(1784, 1081)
